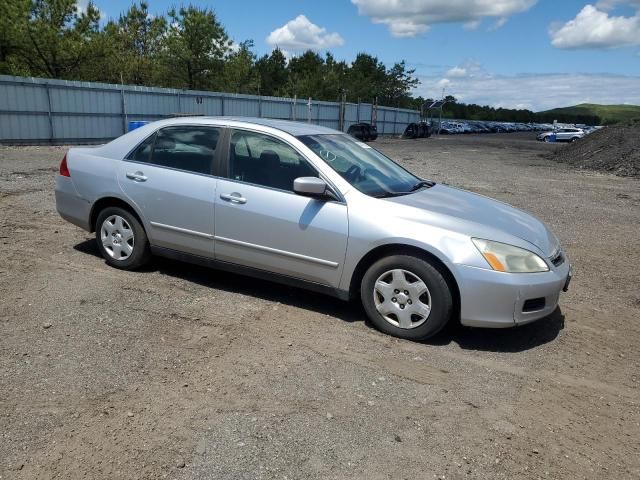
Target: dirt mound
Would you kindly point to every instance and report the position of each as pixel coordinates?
(614, 149)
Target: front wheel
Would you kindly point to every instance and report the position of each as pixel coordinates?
(121, 239)
(406, 297)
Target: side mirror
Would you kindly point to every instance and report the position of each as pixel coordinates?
(310, 187)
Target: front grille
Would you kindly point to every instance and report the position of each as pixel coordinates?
(558, 259)
(533, 305)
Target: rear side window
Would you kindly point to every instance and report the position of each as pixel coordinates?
(189, 148)
(142, 153)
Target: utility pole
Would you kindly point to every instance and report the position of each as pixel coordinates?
(374, 112)
(125, 117)
(294, 107)
(343, 108)
(309, 106)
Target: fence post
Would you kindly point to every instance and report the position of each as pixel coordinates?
(395, 120)
(123, 107)
(294, 106)
(222, 97)
(179, 103)
(343, 108)
(260, 106)
(51, 132)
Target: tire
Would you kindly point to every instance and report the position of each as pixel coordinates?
(547, 139)
(121, 239)
(403, 317)
(574, 139)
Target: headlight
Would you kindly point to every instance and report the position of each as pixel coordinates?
(507, 258)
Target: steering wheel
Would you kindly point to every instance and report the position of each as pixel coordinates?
(352, 173)
(327, 155)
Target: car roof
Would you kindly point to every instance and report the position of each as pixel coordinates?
(288, 126)
(120, 146)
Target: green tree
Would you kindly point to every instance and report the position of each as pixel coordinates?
(13, 19)
(399, 84)
(196, 47)
(334, 79)
(240, 72)
(305, 75)
(133, 45)
(55, 40)
(366, 78)
(273, 72)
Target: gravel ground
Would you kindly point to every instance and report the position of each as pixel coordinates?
(187, 373)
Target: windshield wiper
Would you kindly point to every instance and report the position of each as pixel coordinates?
(421, 184)
(417, 186)
(388, 194)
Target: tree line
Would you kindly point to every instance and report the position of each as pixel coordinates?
(452, 108)
(189, 48)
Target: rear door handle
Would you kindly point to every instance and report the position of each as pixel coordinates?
(234, 197)
(137, 176)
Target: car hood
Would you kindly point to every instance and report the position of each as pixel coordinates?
(479, 216)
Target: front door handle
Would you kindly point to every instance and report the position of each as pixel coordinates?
(137, 176)
(234, 197)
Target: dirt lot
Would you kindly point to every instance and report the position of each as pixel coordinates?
(183, 372)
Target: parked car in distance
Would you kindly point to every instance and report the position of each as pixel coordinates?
(424, 130)
(312, 207)
(363, 131)
(373, 132)
(565, 134)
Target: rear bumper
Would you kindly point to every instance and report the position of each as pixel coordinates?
(70, 205)
(497, 300)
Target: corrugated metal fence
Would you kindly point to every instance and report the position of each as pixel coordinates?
(43, 111)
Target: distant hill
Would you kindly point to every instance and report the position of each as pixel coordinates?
(608, 114)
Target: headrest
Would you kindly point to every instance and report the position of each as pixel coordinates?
(163, 143)
(269, 158)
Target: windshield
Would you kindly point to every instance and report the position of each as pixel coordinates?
(362, 166)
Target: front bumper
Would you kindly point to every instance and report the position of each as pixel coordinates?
(498, 300)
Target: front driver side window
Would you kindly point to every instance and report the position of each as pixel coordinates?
(265, 160)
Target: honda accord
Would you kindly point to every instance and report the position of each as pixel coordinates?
(313, 207)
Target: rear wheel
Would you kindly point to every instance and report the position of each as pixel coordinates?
(406, 297)
(121, 239)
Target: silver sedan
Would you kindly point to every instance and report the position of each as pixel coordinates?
(312, 207)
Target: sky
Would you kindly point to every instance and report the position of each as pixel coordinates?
(534, 54)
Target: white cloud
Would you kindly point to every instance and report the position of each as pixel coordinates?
(443, 83)
(408, 18)
(300, 34)
(594, 28)
(535, 91)
(456, 72)
(501, 22)
(472, 24)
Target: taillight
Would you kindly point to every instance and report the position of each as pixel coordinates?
(64, 170)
